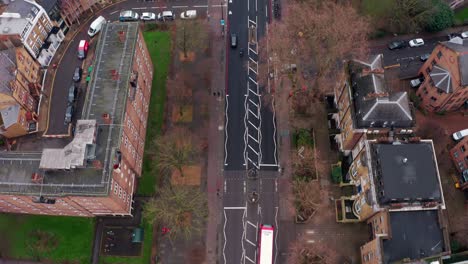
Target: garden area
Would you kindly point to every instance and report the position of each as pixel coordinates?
(52, 239)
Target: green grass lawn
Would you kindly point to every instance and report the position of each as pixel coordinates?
(144, 259)
(72, 237)
(461, 15)
(159, 46)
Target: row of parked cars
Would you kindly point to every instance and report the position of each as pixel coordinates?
(130, 15)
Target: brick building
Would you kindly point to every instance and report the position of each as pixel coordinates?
(71, 11)
(96, 173)
(367, 106)
(397, 191)
(459, 155)
(19, 92)
(26, 22)
(445, 76)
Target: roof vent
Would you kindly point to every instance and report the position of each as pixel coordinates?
(6, 30)
(405, 160)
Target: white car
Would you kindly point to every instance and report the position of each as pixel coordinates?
(148, 16)
(460, 134)
(189, 14)
(464, 34)
(416, 42)
(166, 15)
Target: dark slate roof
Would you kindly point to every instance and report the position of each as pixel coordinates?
(374, 104)
(442, 79)
(460, 46)
(10, 115)
(7, 67)
(47, 4)
(405, 172)
(415, 235)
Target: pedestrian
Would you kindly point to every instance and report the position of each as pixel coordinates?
(217, 192)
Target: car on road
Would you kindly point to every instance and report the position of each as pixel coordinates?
(460, 134)
(72, 92)
(83, 47)
(189, 14)
(416, 42)
(398, 44)
(233, 40)
(148, 16)
(77, 74)
(425, 57)
(128, 15)
(464, 34)
(96, 26)
(69, 114)
(166, 15)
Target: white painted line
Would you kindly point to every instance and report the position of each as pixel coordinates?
(253, 138)
(179, 6)
(248, 222)
(252, 50)
(253, 70)
(253, 125)
(252, 91)
(250, 242)
(113, 12)
(253, 150)
(253, 80)
(252, 102)
(256, 116)
(250, 259)
(218, 5)
(252, 60)
(253, 22)
(248, 5)
(138, 8)
(234, 208)
(224, 233)
(158, 7)
(266, 11)
(268, 165)
(245, 187)
(310, 231)
(276, 185)
(225, 186)
(200, 6)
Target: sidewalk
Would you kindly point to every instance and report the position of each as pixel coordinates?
(216, 136)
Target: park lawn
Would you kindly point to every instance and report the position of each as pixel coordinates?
(461, 15)
(145, 258)
(375, 8)
(73, 235)
(159, 46)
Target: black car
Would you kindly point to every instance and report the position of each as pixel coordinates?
(399, 44)
(77, 74)
(69, 114)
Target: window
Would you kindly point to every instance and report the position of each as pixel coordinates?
(455, 154)
(462, 149)
(433, 62)
(433, 98)
(116, 188)
(439, 54)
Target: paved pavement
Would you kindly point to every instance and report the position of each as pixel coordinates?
(250, 140)
(61, 77)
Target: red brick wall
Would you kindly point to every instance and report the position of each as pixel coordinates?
(459, 155)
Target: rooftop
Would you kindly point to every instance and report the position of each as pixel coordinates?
(415, 235)
(105, 103)
(375, 104)
(405, 172)
(17, 15)
(460, 46)
(7, 69)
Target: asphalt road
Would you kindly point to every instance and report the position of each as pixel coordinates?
(70, 61)
(250, 139)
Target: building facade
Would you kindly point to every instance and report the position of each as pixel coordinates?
(445, 76)
(367, 107)
(459, 155)
(26, 22)
(72, 10)
(19, 92)
(97, 172)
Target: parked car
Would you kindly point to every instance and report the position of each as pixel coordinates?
(77, 74)
(398, 44)
(460, 134)
(69, 114)
(96, 26)
(416, 42)
(166, 15)
(83, 49)
(464, 34)
(424, 57)
(233, 40)
(148, 16)
(189, 14)
(415, 83)
(72, 92)
(128, 15)
(452, 35)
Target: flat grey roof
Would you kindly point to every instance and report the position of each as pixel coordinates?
(15, 17)
(415, 235)
(405, 172)
(107, 94)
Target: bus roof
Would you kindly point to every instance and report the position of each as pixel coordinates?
(266, 245)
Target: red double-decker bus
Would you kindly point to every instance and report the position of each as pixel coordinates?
(265, 246)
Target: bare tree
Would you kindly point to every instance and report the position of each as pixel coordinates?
(174, 150)
(313, 45)
(182, 209)
(190, 35)
(307, 197)
(180, 88)
(304, 252)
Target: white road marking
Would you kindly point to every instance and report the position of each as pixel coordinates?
(268, 165)
(113, 12)
(201, 6)
(253, 80)
(138, 8)
(179, 6)
(250, 242)
(234, 208)
(249, 259)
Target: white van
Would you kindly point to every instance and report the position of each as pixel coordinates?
(189, 14)
(96, 26)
